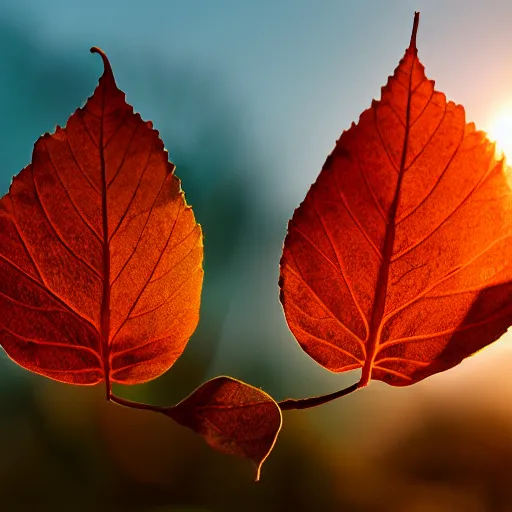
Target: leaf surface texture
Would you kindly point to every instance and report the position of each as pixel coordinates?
(398, 261)
(100, 256)
(233, 418)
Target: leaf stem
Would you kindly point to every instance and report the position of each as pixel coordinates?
(285, 405)
(314, 401)
(136, 405)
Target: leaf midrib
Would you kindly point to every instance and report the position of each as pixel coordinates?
(387, 252)
(105, 303)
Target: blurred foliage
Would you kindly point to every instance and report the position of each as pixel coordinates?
(456, 459)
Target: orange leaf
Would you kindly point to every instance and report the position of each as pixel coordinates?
(399, 259)
(100, 256)
(233, 418)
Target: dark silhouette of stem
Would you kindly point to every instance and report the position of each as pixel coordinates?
(314, 401)
(285, 405)
(136, 405)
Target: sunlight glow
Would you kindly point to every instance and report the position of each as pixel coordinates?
(500, 131)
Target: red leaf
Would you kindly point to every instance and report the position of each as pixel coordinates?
(233, 418)
(100, 256)
(399, 259)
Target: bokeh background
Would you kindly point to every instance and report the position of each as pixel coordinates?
(249, 98)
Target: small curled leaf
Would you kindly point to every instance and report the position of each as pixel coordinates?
(233, 417)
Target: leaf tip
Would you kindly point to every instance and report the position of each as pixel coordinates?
(104, 58)
(415, 30)
(258, 472)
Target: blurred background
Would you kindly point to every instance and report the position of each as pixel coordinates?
(249, 98)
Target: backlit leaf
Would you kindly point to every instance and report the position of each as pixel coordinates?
(233, 417)
(100, 256)
(399, 259)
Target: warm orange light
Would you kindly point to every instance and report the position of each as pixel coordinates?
(500, 131)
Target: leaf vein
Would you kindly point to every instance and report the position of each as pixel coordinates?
(56, 344)
(116, 131)
(443, 222)
(330, 344)
(24, 243)
(85, 175)
(436, 183)
(139, 295)
(432, 135)
(372, 193)
(59, 236)
(121, 163)
(448, 275)
(355, 220)
(80, 115)
(455, 330)
(392, 372)
(137, 188)
(141, 234)
(168, 300)
(342, 325)
(402, 360)
(340, 259)
(423, 110)
(84, 220)
(169, 270)
(377, 129)
(52, 294)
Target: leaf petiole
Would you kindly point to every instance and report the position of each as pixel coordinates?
(136, 405)
(285, 405)
(314, 401)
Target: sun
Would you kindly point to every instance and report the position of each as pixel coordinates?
(500, 131)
